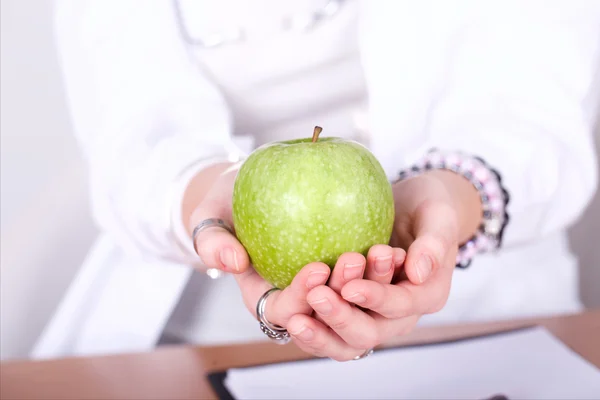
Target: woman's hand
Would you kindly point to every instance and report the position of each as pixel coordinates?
(434, 213)
(362, 302)
(218, 248)
(339, 330)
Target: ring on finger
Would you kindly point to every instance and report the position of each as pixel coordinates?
(209, 223)
(275, 332)
(366, 354)
(214, 273)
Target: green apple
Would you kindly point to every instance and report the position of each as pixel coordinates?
(306, 200)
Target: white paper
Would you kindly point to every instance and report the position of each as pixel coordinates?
(525, 364)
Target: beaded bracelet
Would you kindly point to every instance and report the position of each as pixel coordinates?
(488, 183)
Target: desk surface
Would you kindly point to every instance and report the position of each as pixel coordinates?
(179, 372)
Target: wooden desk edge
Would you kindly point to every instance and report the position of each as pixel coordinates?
(219, 358)
(180, 371)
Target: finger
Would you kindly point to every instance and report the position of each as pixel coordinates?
(399, 260)
(349, 266)
(292, 299)
(282, 304)
(217, 247)
(435, 237)
(315, 338)
(355, 327)
(382, 261)
(390, 301)
(424, 256)
(400, 300)
(399, 256)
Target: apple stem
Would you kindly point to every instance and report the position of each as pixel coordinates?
(316, 133)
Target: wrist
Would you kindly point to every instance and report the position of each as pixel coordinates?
(460, 174)
(463, 198)
(199, 186)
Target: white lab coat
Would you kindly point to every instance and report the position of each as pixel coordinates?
(513, 82)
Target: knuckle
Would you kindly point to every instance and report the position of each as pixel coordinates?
(402, 310)
(209, 251)
(205, 250)
(439, 245)
(339, 323)
(368, 341)
(375, 301)
(318, 347)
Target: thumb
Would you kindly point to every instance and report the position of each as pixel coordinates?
(217, 247)
(435, 229)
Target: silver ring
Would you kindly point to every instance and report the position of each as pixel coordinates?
(213, 273)
(209, 223)
(366, 354)
(275, 332)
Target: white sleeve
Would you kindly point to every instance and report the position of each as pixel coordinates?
(145, 117)
(516, 83)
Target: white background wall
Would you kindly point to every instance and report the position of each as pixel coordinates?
(45, 224)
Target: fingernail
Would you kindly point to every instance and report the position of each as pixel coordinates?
(322, 306)
(352, 271)
(315, 279)
(423, 268)
(305, 334)
(229, 259)
(383, 265)
(356, 298)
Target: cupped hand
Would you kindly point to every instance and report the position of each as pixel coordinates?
(218, 248)
(289, 308)
(338, 329)
(365, 312)
(364, 301)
